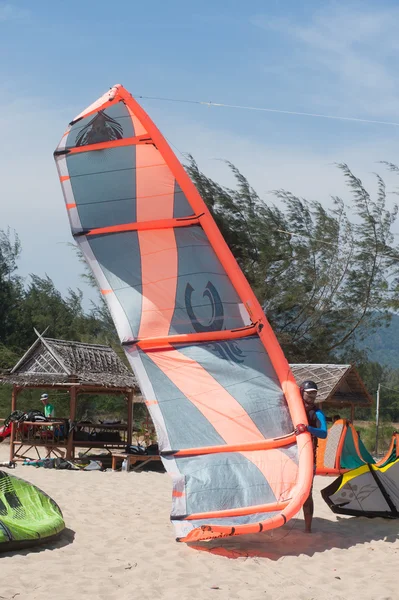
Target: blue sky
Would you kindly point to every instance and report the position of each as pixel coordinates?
(337, 58)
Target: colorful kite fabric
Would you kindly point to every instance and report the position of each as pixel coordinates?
(369, 491)
(342, 451)
(27, 515)
(217, 385)
(392, 453)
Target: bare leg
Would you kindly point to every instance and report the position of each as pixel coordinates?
(308, 509)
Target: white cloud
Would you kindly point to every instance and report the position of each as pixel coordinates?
(10, 12)
(345, 55)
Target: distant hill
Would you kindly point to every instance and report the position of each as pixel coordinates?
(383, 345)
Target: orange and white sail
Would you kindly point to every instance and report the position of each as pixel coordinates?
(216, 382)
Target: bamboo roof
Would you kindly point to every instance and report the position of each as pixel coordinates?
(339, 385)
(50, 361)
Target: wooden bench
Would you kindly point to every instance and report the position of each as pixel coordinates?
(133, 459)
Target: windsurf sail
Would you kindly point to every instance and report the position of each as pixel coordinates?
(218, 387)
(341, 451)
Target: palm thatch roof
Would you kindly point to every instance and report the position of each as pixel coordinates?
(339, 385)
(49, 361)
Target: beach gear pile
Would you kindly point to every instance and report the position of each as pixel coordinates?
(63, 464)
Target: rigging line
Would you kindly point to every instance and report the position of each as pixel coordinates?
(271, 110)
(388, 388)
(184, 155)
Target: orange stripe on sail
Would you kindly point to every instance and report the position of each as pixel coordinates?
(139, 128)
(151, 402)
(154, 187)
(69, 206)
(159, 277)
(64, 178)
(105, 292)
(159, 260)
(177, 494)
(92, 111)
(340, 445)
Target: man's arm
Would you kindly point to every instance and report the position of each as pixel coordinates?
(319, 432)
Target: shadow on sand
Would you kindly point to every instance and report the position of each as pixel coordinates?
(291, 540)
(65, 538)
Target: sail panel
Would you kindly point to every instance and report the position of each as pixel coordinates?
(104, 192)
(170, 280)
(173, 403)
(113, 123)
(181, 206)
(209, 479)
(243, 369)
(205, 375)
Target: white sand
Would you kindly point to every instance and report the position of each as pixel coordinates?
(119, 543)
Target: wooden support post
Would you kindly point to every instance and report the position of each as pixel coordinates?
(72, 416)
(352, 412)
(130, 396)
(14, 395)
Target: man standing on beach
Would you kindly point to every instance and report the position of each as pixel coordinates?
(318, 429)
(49, 411)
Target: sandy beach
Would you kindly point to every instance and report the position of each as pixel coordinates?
(119, 543)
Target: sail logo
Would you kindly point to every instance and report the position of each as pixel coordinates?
(101, 128)
(228, 350)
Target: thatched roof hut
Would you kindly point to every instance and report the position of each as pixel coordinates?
(339, 385)
(50, 362)
(76, 368)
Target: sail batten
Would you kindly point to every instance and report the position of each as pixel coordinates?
(186, 338)
(145, 225)
(286, 440)
(218, 387)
